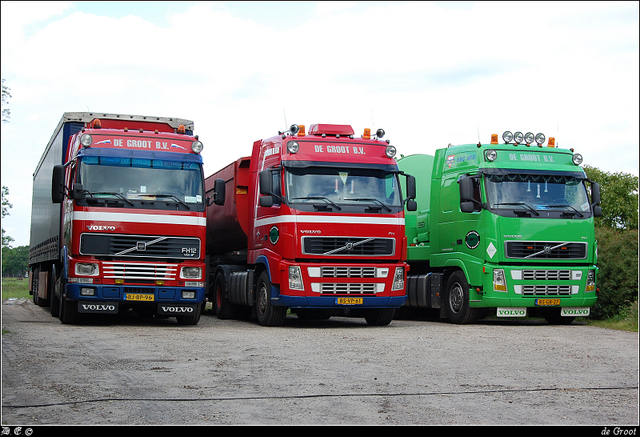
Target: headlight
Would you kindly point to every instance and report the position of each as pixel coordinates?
(86, 291)
(293, 146)
(499, 281)
(390, 151)
(507, 137)
(197, 146)
(87, 269)
(577, 159)
(190, 272)
(86, 140)
(591, 280)
(398, 279)
(295, 278)
(540, 139)
(188, 294)
(491, 155)
(529, 137)
(518, 137)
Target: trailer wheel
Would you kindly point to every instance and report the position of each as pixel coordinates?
(268, 314)
(456, 300)
(379, 316)
(221, 305)
(53, 286)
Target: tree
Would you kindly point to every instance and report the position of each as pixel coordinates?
(15, 261)
(6, 240)
(617, 236)
(619, 198)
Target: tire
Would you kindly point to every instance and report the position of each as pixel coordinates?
(456, 300)
(554, 318)
(192, 319)
(221, 305)
(68, 311)
(379, 316)
(268, 314)
(55, 300)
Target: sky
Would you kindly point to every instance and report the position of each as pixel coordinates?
(429, 73)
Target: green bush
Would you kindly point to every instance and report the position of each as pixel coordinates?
(618, 271)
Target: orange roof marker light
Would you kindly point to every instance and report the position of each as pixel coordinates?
(181, 129)
(552, 142)
(366, 135)
(494, 138)
(96, 124)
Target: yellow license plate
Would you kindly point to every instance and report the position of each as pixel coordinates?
(547, 302)
(139, 297)
(349, 301)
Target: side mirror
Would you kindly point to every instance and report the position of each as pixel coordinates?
(57, 184)
(266, 188)
(466, 190)
(265, 182)
(412, 205)
(266, 201)
(595, 194)
(411, 187)
(467, 207)
(219, 192)
(597, 211)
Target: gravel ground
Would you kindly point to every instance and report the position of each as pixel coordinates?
(340, 371)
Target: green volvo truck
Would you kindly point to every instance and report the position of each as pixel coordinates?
(504, 228)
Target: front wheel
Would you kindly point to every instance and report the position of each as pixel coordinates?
(379, 316)
(268, 314)
(456, 299)
(191, 319)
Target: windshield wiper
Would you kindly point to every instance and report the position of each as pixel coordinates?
(326, 199)
(371, 199)
(174, 197)
(118, 195)
(521, 204)
(567, 206)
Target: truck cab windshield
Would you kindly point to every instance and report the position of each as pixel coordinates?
(142, 183)
(343, 189)
(531, 193)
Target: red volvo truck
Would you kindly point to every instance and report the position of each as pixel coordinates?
(313, 223)
(118, 218)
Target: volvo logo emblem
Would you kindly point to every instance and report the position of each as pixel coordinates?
(547, 250)
(349, 246)
(141, 245)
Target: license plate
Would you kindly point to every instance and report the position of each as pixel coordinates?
(349, 301)
(139, 297)
(547, 302)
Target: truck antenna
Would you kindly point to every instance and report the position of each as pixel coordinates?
(286, 126)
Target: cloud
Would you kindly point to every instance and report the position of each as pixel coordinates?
(428, 73)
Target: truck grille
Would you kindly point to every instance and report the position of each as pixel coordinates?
(546, 275)
(347, 272)
(545, 250)
(139, 271)
(348, 289)
(348, 246)
(546, 290)
(139, 246)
